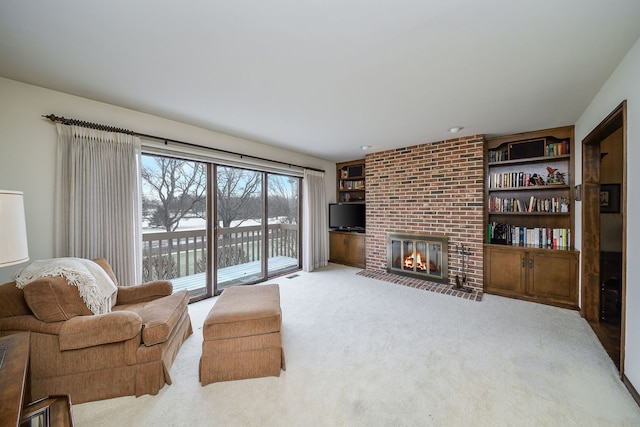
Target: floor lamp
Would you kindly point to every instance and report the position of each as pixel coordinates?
(13, 229)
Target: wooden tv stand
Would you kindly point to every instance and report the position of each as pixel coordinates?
(348, 248)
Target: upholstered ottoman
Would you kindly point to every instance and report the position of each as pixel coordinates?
(241, 335)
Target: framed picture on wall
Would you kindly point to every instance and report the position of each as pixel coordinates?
(609, 198)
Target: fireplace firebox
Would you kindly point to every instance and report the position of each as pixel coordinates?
(418, 255)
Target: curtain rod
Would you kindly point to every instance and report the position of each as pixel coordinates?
(97, 126)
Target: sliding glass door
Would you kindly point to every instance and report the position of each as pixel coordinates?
(174, 222)
(253, 235)
(239, 227)
(283, 213)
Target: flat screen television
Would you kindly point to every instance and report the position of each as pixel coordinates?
(347, 216)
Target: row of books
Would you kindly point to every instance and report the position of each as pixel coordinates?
(520, 179)
(538, 237)
(498, 155)
(514, 180)
(558, 148)
(351, 185)
(535, 204)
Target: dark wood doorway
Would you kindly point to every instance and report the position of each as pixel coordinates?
(603, 282)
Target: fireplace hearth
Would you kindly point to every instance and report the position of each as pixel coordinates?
(418, 255)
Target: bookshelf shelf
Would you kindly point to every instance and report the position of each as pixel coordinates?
(530, 218)
(530, 213)
(540, 159)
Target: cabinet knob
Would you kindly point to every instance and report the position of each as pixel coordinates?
(522, 262)
(531, 263)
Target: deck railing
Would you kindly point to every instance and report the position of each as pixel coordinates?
(168, 255)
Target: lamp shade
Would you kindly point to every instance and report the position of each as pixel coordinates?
(13, 229)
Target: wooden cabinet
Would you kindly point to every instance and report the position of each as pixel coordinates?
(14, 365)
(347, 248)
(539, 275)
(350, 181)
(529, 217)
(14, 390)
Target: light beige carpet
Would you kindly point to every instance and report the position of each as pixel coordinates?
(362, 352)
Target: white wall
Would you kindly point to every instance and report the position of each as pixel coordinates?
(623, 84)
(28, 150)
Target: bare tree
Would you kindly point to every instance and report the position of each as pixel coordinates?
(237, 189)
(283, 198)
(179, 189)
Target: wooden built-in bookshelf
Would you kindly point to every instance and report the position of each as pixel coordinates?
(529, 217)
(349, 247)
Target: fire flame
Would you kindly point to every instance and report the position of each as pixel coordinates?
(421, 265)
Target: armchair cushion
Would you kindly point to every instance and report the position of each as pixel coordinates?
(89, 331)
(159, 317)
(52, 299)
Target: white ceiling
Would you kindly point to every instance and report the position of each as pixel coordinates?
(324, 77)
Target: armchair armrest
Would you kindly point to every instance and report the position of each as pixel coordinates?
(143, 293)
(88, 331)
(28, 322)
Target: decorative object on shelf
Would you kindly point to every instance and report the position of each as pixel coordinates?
(554, 176)
(536, 180)
(609, 198)
(498, 233)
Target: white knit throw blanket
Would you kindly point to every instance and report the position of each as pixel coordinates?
(95, 286)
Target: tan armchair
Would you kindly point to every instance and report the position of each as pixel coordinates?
(128, 351)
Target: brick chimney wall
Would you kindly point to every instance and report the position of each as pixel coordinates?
(435, 188)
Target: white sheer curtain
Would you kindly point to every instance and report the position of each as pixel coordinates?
(98, 200)
(315, 251)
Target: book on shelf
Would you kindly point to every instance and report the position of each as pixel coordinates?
(533, 205)
(558, 148)
(536, 237)
(498, 155)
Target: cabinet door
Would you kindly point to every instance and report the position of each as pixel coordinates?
(355, 248)
(504, 270)
(552, 276)
(337, 247)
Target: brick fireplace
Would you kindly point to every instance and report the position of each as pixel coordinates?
(433, 189)
(418, 255)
